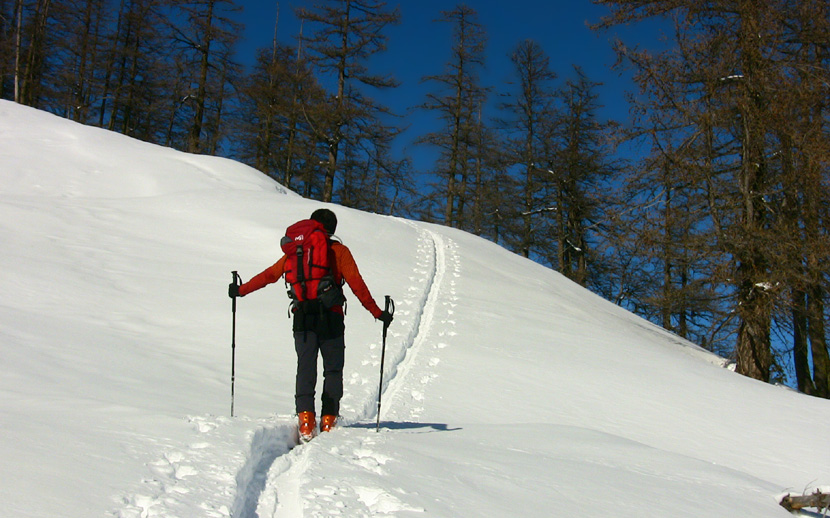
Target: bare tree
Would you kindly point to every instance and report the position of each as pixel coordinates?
(348, 33)
(140, 77)
(273, 133)
(581, 170)
(79, 38)
(726, 90)
(457, 100)
(206, 42)
(31, 51)
(11, 19)
(529, 118)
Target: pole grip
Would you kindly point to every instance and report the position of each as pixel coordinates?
(237, 280)
(389, 308)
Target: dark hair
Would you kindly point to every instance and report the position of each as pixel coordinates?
(327, 218)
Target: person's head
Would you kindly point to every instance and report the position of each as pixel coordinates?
(327, 218)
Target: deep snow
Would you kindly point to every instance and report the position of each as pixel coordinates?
(508, 389)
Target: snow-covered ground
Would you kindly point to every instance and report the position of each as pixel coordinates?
(509, 391)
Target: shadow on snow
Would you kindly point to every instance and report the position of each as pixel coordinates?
(407, 425)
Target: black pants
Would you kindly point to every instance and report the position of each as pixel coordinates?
(307, 344)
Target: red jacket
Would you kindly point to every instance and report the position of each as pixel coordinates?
(343, 267)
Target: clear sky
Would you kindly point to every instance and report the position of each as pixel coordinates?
(419, 46)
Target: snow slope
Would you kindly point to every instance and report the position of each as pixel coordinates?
(508, 389)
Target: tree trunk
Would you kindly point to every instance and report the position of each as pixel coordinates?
(819, 500)
(17, 49)
(801, 353)
(818, 341)
(666, 308)
(195, 140)
(334, 140)
(32, 74)
(754, 354)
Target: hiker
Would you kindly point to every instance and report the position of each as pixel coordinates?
(317, 307)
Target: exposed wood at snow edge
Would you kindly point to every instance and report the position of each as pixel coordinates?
(818, 500)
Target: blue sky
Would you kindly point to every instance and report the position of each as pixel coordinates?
(419, 46)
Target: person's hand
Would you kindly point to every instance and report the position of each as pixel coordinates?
(386, 318)
(233, 290)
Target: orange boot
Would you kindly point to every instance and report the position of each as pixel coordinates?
(327, 423)
(307, 425)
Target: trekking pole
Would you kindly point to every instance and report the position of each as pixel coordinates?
(390, 308)
(237, 280)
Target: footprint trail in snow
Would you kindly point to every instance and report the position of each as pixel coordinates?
(265, 476)
(319, 480)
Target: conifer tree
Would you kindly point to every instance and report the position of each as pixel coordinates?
(139, 92)
(11, 19)
(274, 135)
(205, 42)
(456, 100)
(724, 126)
(582, 171)
(31, 51)
(529, 118)
(79, 36)
(344, 35)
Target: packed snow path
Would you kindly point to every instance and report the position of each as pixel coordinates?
(268, 477)
(407, 371)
